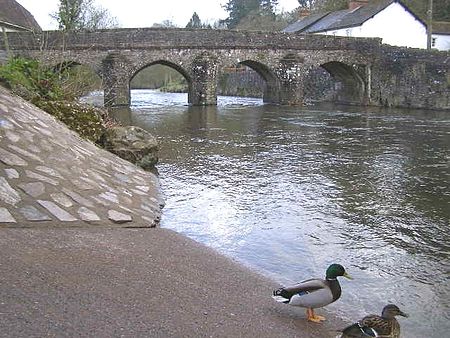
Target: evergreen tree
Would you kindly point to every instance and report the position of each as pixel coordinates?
(309, 4)
(323, 5)
(441, 10)
(194, 22)
(239, 9)
(268, 7)
(329, 5)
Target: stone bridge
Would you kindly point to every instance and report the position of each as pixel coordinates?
(366, 71)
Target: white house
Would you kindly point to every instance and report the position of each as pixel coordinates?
(14, 17)
(390, 20)
(441, 35)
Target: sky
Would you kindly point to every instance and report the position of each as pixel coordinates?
(144, 13)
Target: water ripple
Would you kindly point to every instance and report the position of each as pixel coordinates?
(290, 191)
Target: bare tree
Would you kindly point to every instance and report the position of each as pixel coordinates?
(82, 14)
(165, 24)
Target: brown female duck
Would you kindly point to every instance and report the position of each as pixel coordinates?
(377, 326)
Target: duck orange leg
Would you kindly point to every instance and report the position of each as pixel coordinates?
(312, 317)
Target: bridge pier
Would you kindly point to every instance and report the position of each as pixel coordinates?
(291, 75)
(116, 81)
(271, 94)
(203, 87)
(291, 94)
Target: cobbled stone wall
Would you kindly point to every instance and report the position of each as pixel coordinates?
(367, 72)
(50, 176)
(414, 78)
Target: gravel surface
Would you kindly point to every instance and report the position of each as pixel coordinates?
(119, 282)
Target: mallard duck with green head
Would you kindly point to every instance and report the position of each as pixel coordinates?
(377, 326)
(313, 293)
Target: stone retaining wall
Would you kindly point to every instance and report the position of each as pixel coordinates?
(51, 177)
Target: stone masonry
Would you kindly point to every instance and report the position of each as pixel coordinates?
(367, 72)
(50, 176)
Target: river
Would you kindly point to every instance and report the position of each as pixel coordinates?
(289, 190)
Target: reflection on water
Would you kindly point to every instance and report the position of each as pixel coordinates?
(289, 190)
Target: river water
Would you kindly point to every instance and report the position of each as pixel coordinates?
(288, 191)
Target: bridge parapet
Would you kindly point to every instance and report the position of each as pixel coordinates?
(156, 38)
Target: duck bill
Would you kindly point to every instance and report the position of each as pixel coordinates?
(401, 313)
(346, 275)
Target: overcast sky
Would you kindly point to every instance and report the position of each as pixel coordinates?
(144, 13)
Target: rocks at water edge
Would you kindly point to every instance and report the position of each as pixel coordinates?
(133, 144)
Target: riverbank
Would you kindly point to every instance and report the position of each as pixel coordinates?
(79, 257)
(49, 175)
(135, 283)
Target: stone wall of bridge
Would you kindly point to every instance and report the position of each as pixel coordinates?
(164, 38)
(283, 71)
(403, 77)
(366, 72)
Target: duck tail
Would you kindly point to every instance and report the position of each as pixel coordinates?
(281, 295)
(280, 299)
(358, 330)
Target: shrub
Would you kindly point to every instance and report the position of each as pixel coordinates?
(47, 89)
(30, 80)
(84, 119)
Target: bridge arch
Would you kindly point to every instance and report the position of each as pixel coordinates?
(271, 82)
(271, 88)
(64, 65)
(174, 66)
(71, 64)
(350, 85)
(78, 78)
(67, 64)
(92, 61)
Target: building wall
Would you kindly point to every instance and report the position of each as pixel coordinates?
(442, 42)
(395, 25)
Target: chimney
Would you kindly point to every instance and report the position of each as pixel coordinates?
(303, 12)
(353, 4)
